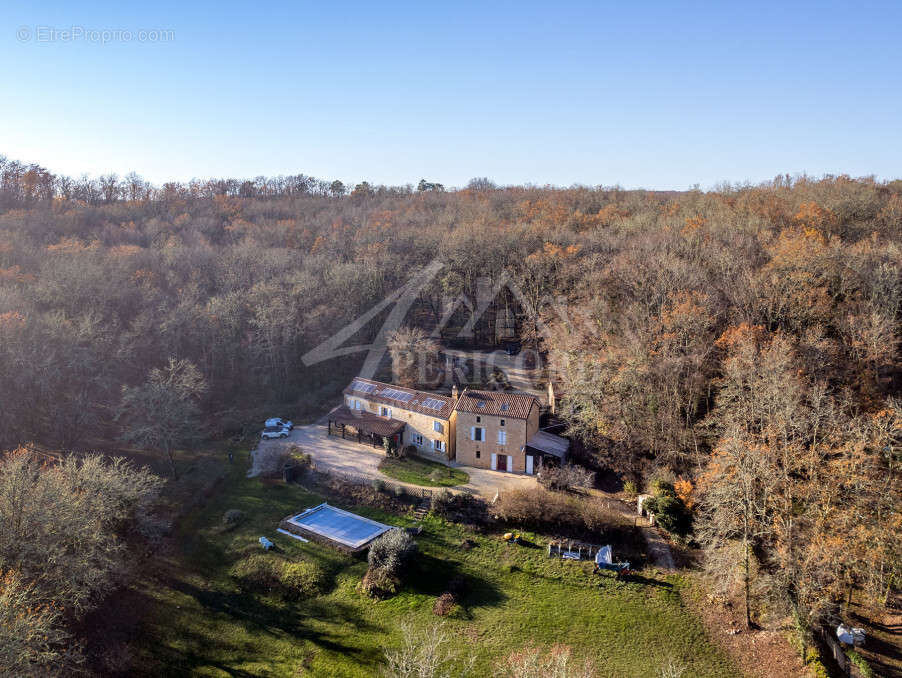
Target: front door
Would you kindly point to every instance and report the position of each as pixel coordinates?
(529, 469)
(502, 462)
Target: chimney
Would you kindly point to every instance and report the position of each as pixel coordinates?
(454, 394)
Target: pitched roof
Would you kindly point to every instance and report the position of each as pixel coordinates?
(366, 421)
(438, 406)
(549, 443)
(496, 403)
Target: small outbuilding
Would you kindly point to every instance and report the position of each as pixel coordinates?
(545, 449)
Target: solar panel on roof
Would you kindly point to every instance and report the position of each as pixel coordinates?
(362, 386)
(433, 404)
(395, 394)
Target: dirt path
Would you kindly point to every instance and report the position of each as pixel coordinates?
(658, 549)
(659, 553)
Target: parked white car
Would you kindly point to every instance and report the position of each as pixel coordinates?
(271, 432)
(277, 421)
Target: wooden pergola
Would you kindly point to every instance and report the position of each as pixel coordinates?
(364, 427)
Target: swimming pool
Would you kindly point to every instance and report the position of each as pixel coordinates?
(345, 528)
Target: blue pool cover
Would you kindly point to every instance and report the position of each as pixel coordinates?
(340, 526)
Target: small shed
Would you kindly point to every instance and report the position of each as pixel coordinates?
(545, 449)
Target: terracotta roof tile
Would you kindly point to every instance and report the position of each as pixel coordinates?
(366, 421)
(388, 394)
(497, 403)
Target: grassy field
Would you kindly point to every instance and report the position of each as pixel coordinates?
(197, 622)
(419, 471)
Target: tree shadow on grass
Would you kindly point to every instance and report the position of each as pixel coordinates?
(433, 576)
(266, 615)
(633, 578)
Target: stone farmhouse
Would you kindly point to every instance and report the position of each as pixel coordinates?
(494, 430)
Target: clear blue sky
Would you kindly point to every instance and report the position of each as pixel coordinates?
(645, 94)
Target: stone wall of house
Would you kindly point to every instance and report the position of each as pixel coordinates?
(518, 432)
(418, 424)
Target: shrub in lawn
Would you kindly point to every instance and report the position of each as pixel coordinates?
(400, 491)
(444, 604)
(257, 572)
(378, 485)
(269, 573)
(232, 517)
(426, 651)
(378, 584)
(557, 661)
(300, 579)
(672, 669)
(392, 552)
(460, 507)
(389, 557)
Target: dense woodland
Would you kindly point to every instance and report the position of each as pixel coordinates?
(743, 342)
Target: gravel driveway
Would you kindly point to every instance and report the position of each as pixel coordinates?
(332, 453)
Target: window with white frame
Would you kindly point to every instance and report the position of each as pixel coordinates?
(438, 427)
(502, 437)
(417, 439)
(477, 433)
(385, 412)
(438, 445)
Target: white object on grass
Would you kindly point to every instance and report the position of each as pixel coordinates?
(293, 536)
(604, 556)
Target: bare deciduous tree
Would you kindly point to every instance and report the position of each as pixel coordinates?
(426, 652)
(556, 662)
(164, 413)
(414, 356)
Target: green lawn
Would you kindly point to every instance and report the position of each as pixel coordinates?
(198, 623)
(419, 471)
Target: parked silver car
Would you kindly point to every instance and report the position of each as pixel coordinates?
(271, 432)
